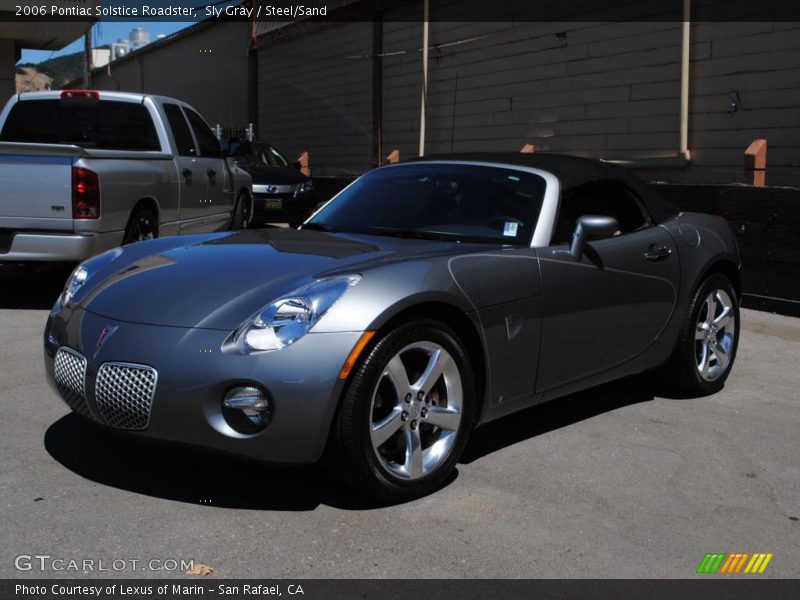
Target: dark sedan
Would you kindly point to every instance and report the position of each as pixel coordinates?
(425, 299)
(281, 192)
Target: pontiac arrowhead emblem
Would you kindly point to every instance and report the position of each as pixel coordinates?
(106, 333)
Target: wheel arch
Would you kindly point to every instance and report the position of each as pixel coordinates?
(467, 331)
(723, 266)
(145, 202)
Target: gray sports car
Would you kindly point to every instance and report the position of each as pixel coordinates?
(425, 299)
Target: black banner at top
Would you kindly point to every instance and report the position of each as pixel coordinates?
(289, 11)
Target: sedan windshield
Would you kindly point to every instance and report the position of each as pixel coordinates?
(458, 202)
(259, 155)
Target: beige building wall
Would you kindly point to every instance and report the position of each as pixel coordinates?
(206, 67)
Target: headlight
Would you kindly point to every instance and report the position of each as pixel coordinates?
(84, 271)
(289, 318)
(75, 282)
(304, 188)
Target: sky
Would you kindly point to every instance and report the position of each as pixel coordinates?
(106, 33)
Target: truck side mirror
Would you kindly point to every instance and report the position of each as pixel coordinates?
(591, 227)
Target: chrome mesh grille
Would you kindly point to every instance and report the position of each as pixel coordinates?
(69, 370)
(124, 394)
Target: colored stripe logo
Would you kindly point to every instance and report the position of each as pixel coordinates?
(734, 563)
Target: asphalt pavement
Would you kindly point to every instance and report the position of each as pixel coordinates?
(612, 482)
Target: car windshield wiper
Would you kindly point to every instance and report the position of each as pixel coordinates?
(410, 233)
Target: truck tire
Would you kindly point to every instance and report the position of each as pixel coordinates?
(142, 226)
(240, 219)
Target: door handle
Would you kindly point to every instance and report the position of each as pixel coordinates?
(656, 252)
(187, 174)
(212, 174)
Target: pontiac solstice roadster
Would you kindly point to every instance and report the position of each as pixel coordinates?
(424, 300)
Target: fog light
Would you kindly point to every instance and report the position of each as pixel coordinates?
(247, 409)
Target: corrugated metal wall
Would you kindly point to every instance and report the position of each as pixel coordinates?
(607, 90)
(315, 95)
(206, 67)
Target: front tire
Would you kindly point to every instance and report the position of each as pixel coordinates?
(406, 413)
(708, 340)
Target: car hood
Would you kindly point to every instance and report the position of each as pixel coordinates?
(274, 175)
(217, 281)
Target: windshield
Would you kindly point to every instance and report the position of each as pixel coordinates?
(443, 201)
(260, 154)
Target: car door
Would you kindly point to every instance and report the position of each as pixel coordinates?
(211, 162)
(191, 181)
(604, 310)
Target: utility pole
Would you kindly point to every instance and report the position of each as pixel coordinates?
(424, 99)
(87, 60)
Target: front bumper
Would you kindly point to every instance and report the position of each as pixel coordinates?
(194, 376)
(273, 208)
(54, 247)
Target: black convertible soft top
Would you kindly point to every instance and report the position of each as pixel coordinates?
(571, 171)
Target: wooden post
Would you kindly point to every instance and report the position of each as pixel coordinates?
(528, 149)
(394, 156)
(304, 168)
(755, 163)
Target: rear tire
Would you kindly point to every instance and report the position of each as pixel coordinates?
(406, 414)
(143, 225)
(240, 218)
(707, 342)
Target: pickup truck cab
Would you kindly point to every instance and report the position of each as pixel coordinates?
(85, 171)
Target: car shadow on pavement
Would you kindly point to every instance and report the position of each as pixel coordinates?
(199, 476)
(191, 474)
(558, 413)
(32, 287)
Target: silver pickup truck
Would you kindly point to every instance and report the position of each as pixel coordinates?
(85, 171)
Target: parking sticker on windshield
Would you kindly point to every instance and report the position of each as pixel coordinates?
(510, 229)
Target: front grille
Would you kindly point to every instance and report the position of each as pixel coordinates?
(124, 394)
(273, 189)
(70, 374)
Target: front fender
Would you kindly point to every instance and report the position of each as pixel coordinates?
(388, 290)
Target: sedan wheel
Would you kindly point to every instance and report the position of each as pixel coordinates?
(406, 413)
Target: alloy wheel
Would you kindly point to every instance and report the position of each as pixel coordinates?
(714, 335)
(416, 410)
(144, 230)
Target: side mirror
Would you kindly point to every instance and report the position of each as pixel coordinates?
(296, 165)
(591, 227)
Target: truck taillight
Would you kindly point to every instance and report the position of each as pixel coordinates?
(85, 194)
